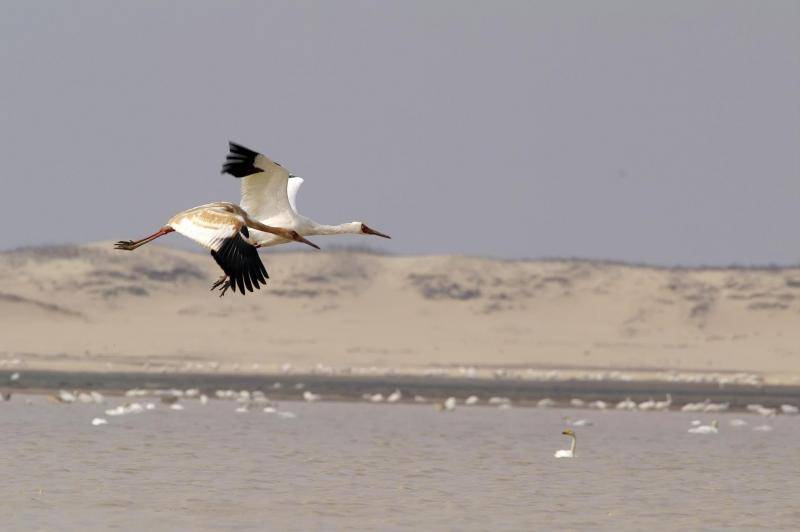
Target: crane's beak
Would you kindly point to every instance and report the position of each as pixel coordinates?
(297, 238)
(370, 231)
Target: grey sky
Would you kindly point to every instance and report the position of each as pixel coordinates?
(665, 132)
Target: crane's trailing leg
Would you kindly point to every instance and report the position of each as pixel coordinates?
(223, 284)
(224, 288)
(130, 245)
(219, 281)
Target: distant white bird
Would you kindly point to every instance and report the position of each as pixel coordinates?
(311, 397)
(471, 400)
(99, 421)
(576, 403)
(706, 429)
(223, 228)
(545, 403)
(127, 408)
(65, 397)
(567, 453)
(448, 405)
(766, 412)
(286, 415)
(420, 399)
(650, 404)
(581, 423)
(499, 400)
(14, 376)
(737, 422)
(599, 405)
(394, 396)
(662, 406)
(716, 407)
(176, 406)
(269, 194)
(695, 407)
(789, 409)
(376, 398)
(627, 404)
(203, 399)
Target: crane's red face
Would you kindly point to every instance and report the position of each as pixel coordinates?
(367, 230)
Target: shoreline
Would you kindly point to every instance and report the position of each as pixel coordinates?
(351, 388)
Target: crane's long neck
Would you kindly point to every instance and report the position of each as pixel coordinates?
(353, 228)
(572, 446)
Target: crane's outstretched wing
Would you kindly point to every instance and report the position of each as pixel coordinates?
(263, 182)
(291, 190)
(224, 233)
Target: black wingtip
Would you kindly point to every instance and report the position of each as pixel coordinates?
(241, 263)
(240, 161)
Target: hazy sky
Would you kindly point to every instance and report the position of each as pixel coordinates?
(666, 132)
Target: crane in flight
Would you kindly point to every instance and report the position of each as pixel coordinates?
(269, 194)
(223, 228)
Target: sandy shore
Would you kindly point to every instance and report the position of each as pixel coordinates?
(90, 308)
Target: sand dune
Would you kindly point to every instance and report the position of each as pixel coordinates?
(91, 306)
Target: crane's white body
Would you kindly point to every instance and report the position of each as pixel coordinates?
(272, 198)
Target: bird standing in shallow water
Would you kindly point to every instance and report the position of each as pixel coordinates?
(269, 194)
(223, 228)
(567, 453)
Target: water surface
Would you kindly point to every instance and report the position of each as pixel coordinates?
(367, 467)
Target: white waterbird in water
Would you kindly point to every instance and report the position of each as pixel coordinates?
(99, 421)
(695, 407)
(567, 453)
(394, 396)
(650, 404)
(627, 404)
(662, 406)
(269, 194)
(222, 227)
(706, 429)
(448, 406)
(311, 397)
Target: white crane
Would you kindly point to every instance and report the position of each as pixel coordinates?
(223, 228)
(269, 194)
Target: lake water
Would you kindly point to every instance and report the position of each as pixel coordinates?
(338, 466)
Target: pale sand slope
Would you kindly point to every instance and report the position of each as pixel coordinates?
(83, 307)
